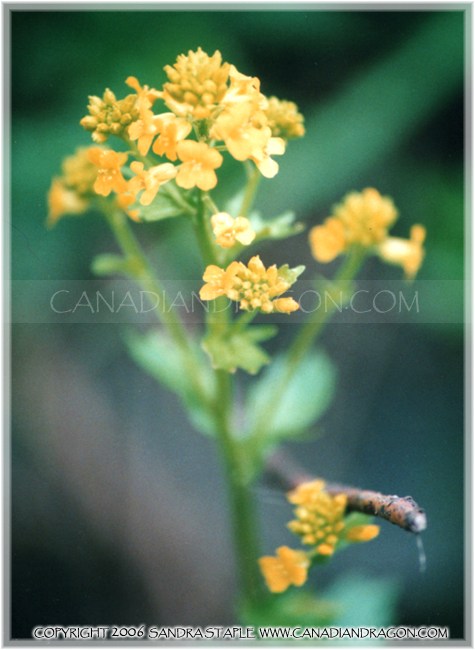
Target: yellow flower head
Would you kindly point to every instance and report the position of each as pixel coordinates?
(243, 89)
(262, 157)
(284, 119)
(149, 180)
(235, 127)
(71, 193)
(289, 567)
(319, 516)
(197, 84)
(109, 115)
(199, 162)
(172, 130)
(408, 253)
(62, 200)
(362, 219)
(253, 286)
(109, 175)
(228, 231)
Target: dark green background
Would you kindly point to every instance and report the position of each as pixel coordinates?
(118, 508)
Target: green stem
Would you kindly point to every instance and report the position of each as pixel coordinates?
(301, 344)
(254, 178)
(241, 499)
(203, 234)
(144, 275)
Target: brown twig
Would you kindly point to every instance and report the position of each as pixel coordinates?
(401, 511)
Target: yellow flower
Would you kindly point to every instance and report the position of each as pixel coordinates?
(149, 180)
(243, 89)
(199, 162)
(289, 567)
(407, 253)
(144, 130)
(71, 193)
(262, 157)
(284, 119)
(319, 516)
(171, 131)
(145, 94)
(362, 219)
(362, 533)
(197, 83)
(109, 175)
(241, 137)
(109, 115)
(253, 286)
(228, 230)
(62, 200)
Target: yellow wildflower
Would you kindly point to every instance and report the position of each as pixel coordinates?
(71, 193)
(197, 84)
(253, 286)
(320, 518)
(109, 115)
(149, 180)
(243, 89)
(199, 162)
(228, 231)
(144, 130)
(62, 200)
(145, 94)
(363, 533)
(407, 253)
(284, 119)
(262, 157)
(109, 175)
(362, 219)
(171, 131)
(289, 567)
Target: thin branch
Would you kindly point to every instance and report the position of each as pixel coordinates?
(401, 511)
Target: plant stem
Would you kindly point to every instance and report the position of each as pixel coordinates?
(144, 275)
(301, 344)
(254, 177)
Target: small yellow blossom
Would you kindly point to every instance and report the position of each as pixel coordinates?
(109, 175)
(172, 130)
(149, 180)
(197, 84)
(319, 516)
(253, 286)
(228, 231)
(362, 533)
(145, 94)
(362, 219)
(408, 253)
(284, 119)
(62, 200)
(262, 158)
(144, 130)
(199, 162)
(238, 131)
(289, 567)
(109, 115)
(71, 193)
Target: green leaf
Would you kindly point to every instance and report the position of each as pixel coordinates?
(232, 350)
(295, 608)
(291, 275)
(162, 359)
(108, 264)
(307, 395)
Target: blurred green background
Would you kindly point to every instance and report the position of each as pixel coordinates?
(118, 507)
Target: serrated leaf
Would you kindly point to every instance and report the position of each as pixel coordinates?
(307, 396)
(155, 353)
(233, 350)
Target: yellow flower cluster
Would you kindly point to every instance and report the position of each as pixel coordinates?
(228, 231)
(209, 98)
(320, 522)
(362, 221)
(253, 286)
(71, 192)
